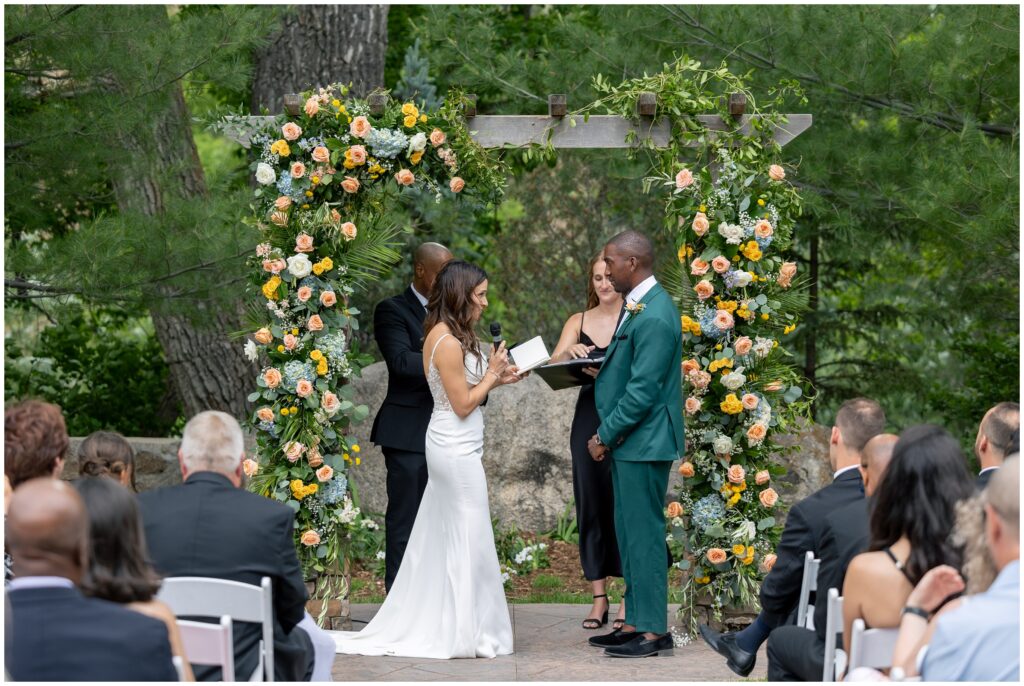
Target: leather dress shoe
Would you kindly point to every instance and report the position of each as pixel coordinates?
(615, 638)
(738, 660)
(643, 647)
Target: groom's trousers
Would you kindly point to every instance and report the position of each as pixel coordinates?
(639, 489)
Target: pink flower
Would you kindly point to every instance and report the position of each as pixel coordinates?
(686, 469)
(437, 137)
(263, 336)
(263, 250)
(456, 184)
(350, 184)
(358, 154)
(348, 230)
(701, 224)
(360, 127)
(330, 402)
(762, 477)
(704, 290)
(315, 323)
(268, 265)
(321, 154)
(324, 473)
(724, 320)
(737, 474)
(335, 216)
(699, 267)
(293, 451)
(290, 342)
(786, 274)
(291, 131)
(768, 562)
(311, 107)
(283, 202)
(303, 388)
(773, 387)
(303, 243)
(272, 378)
(699, 379)
(763, 229)
(742, 345)
(304, 293)
(405, 177)
(720, 264)
(310, 538)
(689, 366)
(265, 414)
(750, 401)
(250, 467)
(756, 433)
(776, 173)
(328, 299)
(298, 170)
(692, 405)
(684, 178)
(768, 497)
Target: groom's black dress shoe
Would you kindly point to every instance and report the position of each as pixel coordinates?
(642, 647)
(738, 660)
(615, 638)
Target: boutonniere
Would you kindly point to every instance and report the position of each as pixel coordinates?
(635, 308)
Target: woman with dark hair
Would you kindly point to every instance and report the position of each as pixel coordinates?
(447, 600)
(118, 570)
(109, 454)
(910, 528)
(588, 334)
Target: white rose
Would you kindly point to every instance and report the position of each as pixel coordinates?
(265, 174)
(732, 233)
(299, 265)
(742, 279)
(250, 350)
(763, 346)
(417, 143)
(722, 445)
(734, 380)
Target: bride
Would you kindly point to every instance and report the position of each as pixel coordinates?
(447, 600)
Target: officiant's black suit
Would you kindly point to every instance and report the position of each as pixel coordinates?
(400, 428)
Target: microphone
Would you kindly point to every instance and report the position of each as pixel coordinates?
(496, 334)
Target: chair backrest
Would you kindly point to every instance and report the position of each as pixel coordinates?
(835, 659)
(871, 647)
(200, 596)
(179, 667)
(209, 644)
(805, 611)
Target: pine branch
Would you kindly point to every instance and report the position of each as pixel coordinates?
(28, 34)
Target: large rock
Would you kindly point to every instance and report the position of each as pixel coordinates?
(156, 462)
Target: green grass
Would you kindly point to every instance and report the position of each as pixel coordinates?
(547, 581)
(553, 597)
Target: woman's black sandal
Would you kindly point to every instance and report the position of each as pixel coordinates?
(591, 623)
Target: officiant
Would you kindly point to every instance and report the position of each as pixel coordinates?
(400, 426)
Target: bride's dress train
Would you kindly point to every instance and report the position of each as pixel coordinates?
(447, 600)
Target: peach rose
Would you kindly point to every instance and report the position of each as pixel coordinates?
(348, 230)
(762, 477)
(358, 154)
(737, 474)
(360, 127)
(720, 264)
(321, 154)
(335, 216)
(293, 451)
(749, 401)
(328, 299)
(704, 290)
(689, 366)
(303, 243)
(315, 323)
(701, 224)
(716, 556)
(437, 137)
(405, 177)
(290, 342)
(724, 320)
(768, 497)
(263, 336)
(291, 131)
(330, 402)
(324, 473)
(310, 538)
(686, 469)
(311, 107)
(283, 202)
(350, 184)
(250, 467)
(303, 388)
(700, 379)
(675, 509)
(314, 458)
(268, 265)
(773, 387)
(298, 170)
(684, 178)
(279, 218)
(763, 229)
(304, 293)
(768, 562)
(776, 173)
(786, 274)
(756, 433)
(272, 377)
(742, 345)
(265, 414)
(699, 267)
(279, 265)
(456, 184)
(692, 405)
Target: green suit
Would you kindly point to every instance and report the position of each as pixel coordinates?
(639, 399)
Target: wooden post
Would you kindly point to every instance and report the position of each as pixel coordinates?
(647, 104)
(292, 104)
(377, 102)
(470, 108)
(557, 105)
(737, 105)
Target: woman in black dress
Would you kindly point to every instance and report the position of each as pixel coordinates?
(588, 334)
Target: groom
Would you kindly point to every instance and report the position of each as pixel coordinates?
(640, 403)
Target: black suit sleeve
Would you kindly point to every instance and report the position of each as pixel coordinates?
(392, 338)
(780, 591)
(289, 587)
(831, 571)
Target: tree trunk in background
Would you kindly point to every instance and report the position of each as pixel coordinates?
(811, 360)
(318, 45)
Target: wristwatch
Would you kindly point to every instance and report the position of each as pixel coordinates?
(919, 611)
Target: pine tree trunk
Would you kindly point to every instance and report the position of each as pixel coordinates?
(322, 44)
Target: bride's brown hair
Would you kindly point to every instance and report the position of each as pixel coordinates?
(451, 302)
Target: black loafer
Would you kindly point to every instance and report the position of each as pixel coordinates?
(615, 638)
(738, 660)
(642, 647)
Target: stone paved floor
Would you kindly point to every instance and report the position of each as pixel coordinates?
(550, 645)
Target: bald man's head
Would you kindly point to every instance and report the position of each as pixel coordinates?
(48, 530)
(629, 257)
(427, 261)
(874, 459)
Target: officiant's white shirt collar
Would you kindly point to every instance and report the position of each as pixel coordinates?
(421, 298)
(641, 289)
(844, 470)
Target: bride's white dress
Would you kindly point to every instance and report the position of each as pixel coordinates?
(447, 600)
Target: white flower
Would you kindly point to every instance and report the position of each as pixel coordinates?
(722, 445)
(677, 521)
(745, 531)
(417, 143)
(763, 346)
(265, 174)
(348, 513)
(380, 554)
(263, 250)
(300, 266)
(734, 379)
(743, 279)
(732, 233)
(250, 350)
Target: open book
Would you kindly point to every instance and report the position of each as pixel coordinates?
(529, 355)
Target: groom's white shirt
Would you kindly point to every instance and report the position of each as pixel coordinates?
(636, 295)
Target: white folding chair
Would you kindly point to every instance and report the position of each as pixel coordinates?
(871, 647)
(835, 658)
(179, 667)
(210, 644)
(198, 596)
(805, 611)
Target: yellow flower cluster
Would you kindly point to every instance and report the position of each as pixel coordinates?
(690, 326)
(744, 312)
(752, 251)
(720, 364)
(412, 114)
(350, 163)
(727, 305)
(744, 553)
(789, 329)
(703, 579)
(285, 411)
(281, 148)
(375, 170)
(731, 404)
(732, 493)
(270, 287)
(324, 265)
(300, 490)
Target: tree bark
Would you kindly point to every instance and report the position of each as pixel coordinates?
(811, 359)
(318, 45)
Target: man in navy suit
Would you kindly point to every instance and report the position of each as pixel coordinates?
(400, 428)
(57, 633)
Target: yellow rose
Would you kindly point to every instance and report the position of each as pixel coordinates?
(321, 368)
(752, 251)
(280, 348)
(315, 355)
(270, 288)
(731, 404)
(409, 121)
(328, 264)
(410, 109)
(423, 118)
(416, 157)
(748, 560)
(681, 255)
(739, 549)
(318, 269)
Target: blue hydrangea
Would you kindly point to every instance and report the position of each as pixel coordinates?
(269, 427)
(307, 144)
(707, 325)
(295, 370)
(284, 183)
(333, 345)
(387, 143)
(708, 511)
(334, 491)
(731, 278)
(764, 242)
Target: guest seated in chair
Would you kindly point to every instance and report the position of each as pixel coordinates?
(109, 454)
(996, 440)
(59, 634)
